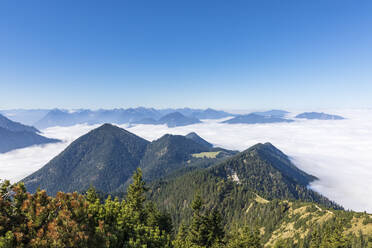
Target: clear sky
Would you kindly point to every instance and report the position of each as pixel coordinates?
(196, 53)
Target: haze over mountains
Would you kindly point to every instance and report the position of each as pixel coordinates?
(318, 116)
(14, 135)
(107, 156)
(256, 119)
(171, 117)
(299, 139)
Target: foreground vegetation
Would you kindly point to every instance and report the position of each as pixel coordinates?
(85, 220)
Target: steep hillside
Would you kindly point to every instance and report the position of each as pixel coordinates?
(233, 183)
(167, 154)
(104, 158)
(193, 136)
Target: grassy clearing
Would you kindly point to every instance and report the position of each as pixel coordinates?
(206, 154)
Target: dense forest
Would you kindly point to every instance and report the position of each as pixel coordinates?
(88, 220)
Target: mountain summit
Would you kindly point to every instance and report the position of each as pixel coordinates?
(105, 157)
(193, 136)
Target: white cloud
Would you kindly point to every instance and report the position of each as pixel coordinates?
(339, 153)
(17, 164)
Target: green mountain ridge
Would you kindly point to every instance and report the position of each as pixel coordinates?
(107, 156)
(231, 184)
(259, 189)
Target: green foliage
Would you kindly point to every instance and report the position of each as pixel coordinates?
(75, 220)
(245, 238)
(205, 230)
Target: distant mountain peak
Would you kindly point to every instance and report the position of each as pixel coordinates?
(254, 118)
(318, 116)
(176, 119)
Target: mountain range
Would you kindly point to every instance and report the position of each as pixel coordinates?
(272, 113)
(174, 119)
(107, 156)
(259, 187)
(14, 135)
(318, 116)
(140, 115)
(256, 119)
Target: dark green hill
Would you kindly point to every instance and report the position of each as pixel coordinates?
(104, 158)
(167, 154)
(232, 184)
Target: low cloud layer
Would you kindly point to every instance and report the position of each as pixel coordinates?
(339, 153)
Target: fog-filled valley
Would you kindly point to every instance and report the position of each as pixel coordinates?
(335, 151)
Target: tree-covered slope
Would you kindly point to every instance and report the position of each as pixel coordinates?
(107, 156)
(168, 154)
(104, 158)
(233, 183)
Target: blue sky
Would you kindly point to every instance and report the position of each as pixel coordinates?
(222, 54)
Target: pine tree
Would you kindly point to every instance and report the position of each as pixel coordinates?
(245, 238)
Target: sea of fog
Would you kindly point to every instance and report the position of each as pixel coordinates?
(339, 153)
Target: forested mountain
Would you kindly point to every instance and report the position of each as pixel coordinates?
(14, 135)
(255, 119)
(107, 156)
(208, 197)
(241, 219)
(261, 169)
(318, 116)
(168, 154)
